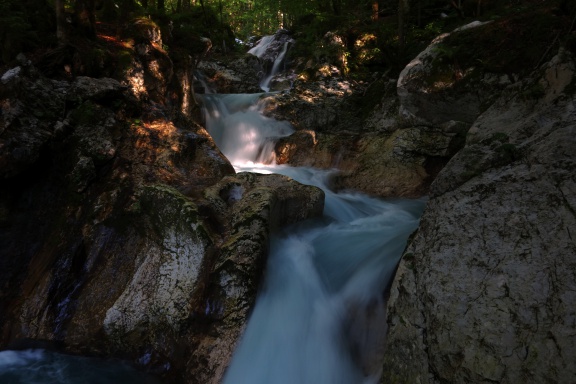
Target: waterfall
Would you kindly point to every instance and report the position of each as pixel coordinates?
(320, 316)
(267, 50)
(265, 83)
(239, 128)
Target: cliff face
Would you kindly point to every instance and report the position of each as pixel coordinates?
(486, 290)
(123, 229)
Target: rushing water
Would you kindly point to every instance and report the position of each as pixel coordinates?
(320, 316)
(260, 50)
(44, 367)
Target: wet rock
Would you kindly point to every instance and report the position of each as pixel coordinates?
(251, 205)
(485, 291)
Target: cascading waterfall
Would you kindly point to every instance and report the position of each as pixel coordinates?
(238, 126)
(320, 316)
(260, 50)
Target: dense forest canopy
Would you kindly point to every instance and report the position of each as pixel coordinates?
(366, 35)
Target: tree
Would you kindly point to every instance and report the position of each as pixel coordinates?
(61, 33)
(403, 9)
(85, 18)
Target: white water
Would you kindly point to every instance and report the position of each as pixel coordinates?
(44, 367)
(320, 316)
(238, 127)
(259, 50)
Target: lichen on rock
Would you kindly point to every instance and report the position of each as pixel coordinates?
(167, 270)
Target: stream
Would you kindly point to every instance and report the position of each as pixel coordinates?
(320, 316)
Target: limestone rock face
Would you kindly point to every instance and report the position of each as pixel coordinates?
(486, 290)
(124, 233)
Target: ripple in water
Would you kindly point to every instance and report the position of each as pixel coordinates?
(45, 367)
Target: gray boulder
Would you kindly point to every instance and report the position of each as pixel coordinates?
(433, 94)
(486, 290)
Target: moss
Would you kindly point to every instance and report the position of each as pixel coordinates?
(166, 210)
(409, 260)
(508, 153)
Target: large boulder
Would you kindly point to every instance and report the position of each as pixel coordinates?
(237, 76)
(486, 290)
(433, 92)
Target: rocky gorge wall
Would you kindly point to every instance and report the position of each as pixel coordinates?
(123, 229)
(485, 291)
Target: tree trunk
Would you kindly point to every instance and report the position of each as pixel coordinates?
(161, 7)
(204, 11)
(403, 7)
(84, 13)
(61, 34)
(375, 10)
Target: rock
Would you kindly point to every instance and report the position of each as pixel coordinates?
(126, 234)
(10, 74)
(30, 108)
(238, 76)
(431, 98)
(166, 271)
(485, 292)
(87, 88)
(374, 153)
(252, 206)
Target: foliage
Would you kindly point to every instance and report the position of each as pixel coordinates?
(24, 25)
(508, 45)
(341, 33)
